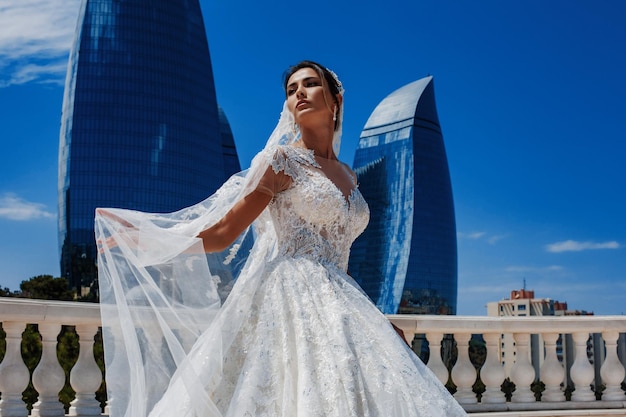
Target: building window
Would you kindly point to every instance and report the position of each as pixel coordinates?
(521, 307)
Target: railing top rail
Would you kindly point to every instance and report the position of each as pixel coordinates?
(71, 313)
(518, 324)
(40, 311)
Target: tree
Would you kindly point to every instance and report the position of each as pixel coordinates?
(6, 292)
(46, 287)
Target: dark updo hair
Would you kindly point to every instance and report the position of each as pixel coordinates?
(333, 83)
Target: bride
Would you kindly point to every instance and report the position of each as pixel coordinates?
(296, 337)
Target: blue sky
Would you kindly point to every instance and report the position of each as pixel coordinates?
(531, 96)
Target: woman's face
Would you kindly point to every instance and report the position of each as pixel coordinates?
(307, 97)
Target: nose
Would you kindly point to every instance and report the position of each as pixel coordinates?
(301, 91)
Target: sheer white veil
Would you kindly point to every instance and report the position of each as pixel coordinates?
(162, 314)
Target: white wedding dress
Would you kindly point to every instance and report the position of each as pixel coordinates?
(296, 337)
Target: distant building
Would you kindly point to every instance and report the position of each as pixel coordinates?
(406, 260)
(229, 152)
(523, 303)
(140, 127)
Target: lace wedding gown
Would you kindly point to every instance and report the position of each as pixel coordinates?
(299, 338)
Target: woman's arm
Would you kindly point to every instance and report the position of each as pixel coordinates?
(219, 236)
(223, 233)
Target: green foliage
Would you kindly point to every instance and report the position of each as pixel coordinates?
(46, 287)
(537, 388)
(67, 353)
(508, 387)
(31, 353)
(6, 292)
(477, 351)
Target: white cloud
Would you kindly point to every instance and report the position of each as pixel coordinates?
(471, 236)
(13, 207)
(491, 239)
(35, 39)
(574, 246)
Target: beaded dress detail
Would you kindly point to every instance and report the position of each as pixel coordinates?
(296, 337)
(314, 344)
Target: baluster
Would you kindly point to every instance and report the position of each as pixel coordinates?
(409, 336)
(463, 372)
(552, 372)
(435, 363)
(14, 374)
(116, 364)
(48, 377)
(582, 371)
(522, 372)
(492, 373)
(86, 376)
(612, 370)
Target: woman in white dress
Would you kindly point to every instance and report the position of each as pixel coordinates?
(296, 337)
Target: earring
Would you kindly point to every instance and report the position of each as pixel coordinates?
(335, 115)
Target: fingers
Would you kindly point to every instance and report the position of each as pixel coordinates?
(107, 214)
(108, 242)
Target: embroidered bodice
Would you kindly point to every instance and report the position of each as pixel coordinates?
(312, 217)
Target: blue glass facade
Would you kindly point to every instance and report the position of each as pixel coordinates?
(406, 260)
(229, 151)
(140, 126)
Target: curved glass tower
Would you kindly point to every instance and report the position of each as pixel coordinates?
(229, 152)
(406, 260)
(140, 127)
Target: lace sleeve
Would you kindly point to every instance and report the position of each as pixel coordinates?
(285, 163)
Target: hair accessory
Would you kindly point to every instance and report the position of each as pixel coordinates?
(339, 85)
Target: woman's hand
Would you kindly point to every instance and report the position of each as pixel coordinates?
(400, 333)
(105, 213)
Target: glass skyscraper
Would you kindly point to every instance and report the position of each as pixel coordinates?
(406, 260)
(140, 126)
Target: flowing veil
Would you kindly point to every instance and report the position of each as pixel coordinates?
(159, 293)
(164, 325)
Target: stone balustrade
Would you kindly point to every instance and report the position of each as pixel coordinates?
(585, 381)
(596, 387)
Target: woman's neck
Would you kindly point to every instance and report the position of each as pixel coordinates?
(320, 141)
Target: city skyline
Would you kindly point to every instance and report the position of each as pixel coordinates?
(406, 259)
(529, 95)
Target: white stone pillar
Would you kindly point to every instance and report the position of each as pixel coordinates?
(522, 372)
(463, 372)
(612, 370)
(435, 363)
(14, 375)
(48, 377)
(116, 362)
(492, 373)
(581, 371)
(552, 372)
(86, 376)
